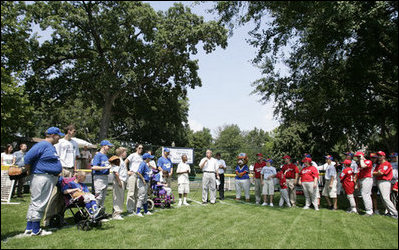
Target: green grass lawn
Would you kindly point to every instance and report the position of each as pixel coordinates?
(231, 224)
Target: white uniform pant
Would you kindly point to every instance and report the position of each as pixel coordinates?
(142, 193)
(284, 198)
(118, 197)
(365, 185)
(385, 190)
(310, 194)
(41, 188)
(131, 200)
(258, 190)
(291, 190)
(242, 184)
(100, 188)
(209, 183)
(352, 201)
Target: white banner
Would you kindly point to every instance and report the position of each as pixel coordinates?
(176, 154)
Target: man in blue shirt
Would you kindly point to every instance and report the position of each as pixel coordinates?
(44, 164)
(143, 174)
(166, 164)
(100, 171)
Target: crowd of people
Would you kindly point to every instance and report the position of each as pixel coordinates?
(53, 162)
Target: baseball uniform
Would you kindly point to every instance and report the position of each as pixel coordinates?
(307, 176)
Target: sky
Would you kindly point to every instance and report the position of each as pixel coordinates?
(227, 74)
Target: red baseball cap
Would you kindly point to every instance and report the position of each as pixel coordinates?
(373, 155)
(359, 153)
(368, 163)
(259, 154)
(347, 162)
(381, 153)
(286, 157)
(307, 159)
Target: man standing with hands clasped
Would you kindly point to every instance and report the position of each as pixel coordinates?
(221, 169)
(209, 166)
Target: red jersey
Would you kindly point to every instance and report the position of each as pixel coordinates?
(283, 182)
(348, 180)
(258, 168)
(395, 187)
(386, 169)
(292, 170)
(365, 172)
(308, 174)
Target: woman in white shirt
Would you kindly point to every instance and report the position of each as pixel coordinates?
(7, 158)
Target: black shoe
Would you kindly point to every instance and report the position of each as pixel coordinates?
(204, 203)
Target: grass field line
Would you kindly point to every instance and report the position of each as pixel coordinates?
(290, 229)
(195, 201)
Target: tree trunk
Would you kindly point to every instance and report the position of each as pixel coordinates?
(106, 115)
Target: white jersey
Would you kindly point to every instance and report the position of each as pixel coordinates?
(67, 150)
(330, 171)
(221, 162)
(183, 178)
(121, 170)
(211, 165)
(134, 161)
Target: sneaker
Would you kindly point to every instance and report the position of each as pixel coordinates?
(139, 215)
(104, 220)
(41, 233)
(131, 214)
(264, 204)
(306, 207)
(148, 213)
(186, 204)
(395, 217)
(271, 204)
(179, 204)
(316, 209)
(118, 218)
(204, 203)
(27, 232)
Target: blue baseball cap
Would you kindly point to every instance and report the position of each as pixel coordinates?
(329, 157)
(269, 160)
(307, 155)
(106, 143)
(349, 153)
(147, 155)
(166, 150)
(54, 131)
(393, 155)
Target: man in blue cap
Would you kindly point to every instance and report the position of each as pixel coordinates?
(44, 164)
(100, 171)
(166, 164)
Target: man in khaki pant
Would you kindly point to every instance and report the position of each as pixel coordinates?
(291, 172)
(133, 162)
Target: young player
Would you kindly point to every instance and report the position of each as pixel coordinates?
(183, 169)
(348, 180)
(267, 174)
(258, 166)
(283, 189)
(374, 189)
(143, 174)
(291, 173)
(308, 179)
(365, 181)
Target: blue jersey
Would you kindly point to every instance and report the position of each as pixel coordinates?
(100, 160)
(43, 159)
(165, 164)
(157, 177)
(72, 185)
(245, 176)
(145, 171)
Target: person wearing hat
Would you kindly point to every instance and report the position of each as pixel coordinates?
(267, 174)
(119, 171)
(133, 162)
(374, 189)
(100, 171)
(308, 179)
(365, 181)
(355, 168)
(384, 176)
(209, 167)
(314, 164)
(291, 172)
(43, 163)
(143, 173)
(258, 166)
(330, 186)
(166, 164)
(348, 180)
(394, 163)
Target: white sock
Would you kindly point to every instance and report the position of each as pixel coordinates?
(179, 200)
(185, 200)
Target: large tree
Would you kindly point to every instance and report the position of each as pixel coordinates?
(342, 65)
(122, 56)
(16, 44)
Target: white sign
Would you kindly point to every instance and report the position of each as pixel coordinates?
(176, 154)
(6, 186)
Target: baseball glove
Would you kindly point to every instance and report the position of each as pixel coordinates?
(14, 171)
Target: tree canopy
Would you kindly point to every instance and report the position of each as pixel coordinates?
(342, 65)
